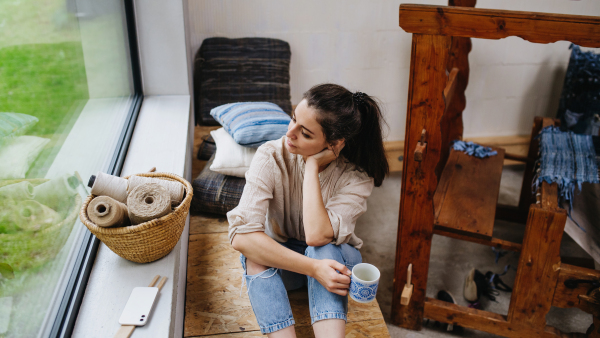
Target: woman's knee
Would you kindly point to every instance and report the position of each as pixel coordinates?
(254, 268)
(327, 251)
(345, 253)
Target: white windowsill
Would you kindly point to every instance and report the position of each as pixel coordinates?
(161, 139)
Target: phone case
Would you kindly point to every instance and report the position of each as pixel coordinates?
(138, 306)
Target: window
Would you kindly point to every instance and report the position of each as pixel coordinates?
(69, 97)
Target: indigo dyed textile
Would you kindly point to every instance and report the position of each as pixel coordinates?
(252, 123)
(580, 97)
(473, 149)
(241, 70)
(567, 159)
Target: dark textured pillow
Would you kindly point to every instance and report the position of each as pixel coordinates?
(207, 148)
(216, 193)
(580, 97)
(240, 70)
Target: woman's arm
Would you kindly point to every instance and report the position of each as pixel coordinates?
(317, 226)
(259, 248)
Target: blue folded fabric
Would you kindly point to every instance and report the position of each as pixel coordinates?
(252, 123)
(473, 149)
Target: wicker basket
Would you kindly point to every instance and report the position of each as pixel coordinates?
(148, 241)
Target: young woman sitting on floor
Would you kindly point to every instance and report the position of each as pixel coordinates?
(294, 225)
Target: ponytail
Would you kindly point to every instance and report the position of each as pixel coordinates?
(357, 119)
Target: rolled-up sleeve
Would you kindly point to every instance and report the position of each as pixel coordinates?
(250, 214)
(347, 204)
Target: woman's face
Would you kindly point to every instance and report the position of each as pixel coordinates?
(305, 135)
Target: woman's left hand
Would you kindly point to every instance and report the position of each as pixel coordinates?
(327, 155)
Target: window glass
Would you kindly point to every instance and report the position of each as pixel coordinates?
(65, 95)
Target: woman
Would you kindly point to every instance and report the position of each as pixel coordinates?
(295, 222)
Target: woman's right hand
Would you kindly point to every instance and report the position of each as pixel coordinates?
(326, 274)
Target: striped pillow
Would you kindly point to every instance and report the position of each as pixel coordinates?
(252, 123)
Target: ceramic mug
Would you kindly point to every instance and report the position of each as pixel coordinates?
(364, 282)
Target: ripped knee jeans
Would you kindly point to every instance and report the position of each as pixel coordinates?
(267, 290)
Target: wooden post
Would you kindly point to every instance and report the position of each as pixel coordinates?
(452, 122)
(415, 225)
(539, 267)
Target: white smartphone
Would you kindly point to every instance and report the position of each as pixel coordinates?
(138, 306)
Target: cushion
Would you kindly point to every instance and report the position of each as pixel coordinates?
(252, 123)
(240, 70)
(580, 96)
(231, 158)
(216, 193)
(14, 124)
(207, 148)
(16, 156)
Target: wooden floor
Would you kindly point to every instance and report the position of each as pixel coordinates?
(214, 306)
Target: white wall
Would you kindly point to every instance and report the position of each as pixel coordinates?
(358, 44)
(162, 47)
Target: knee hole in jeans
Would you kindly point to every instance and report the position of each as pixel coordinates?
(254, 268)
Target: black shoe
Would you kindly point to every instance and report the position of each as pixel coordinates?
(446, 296)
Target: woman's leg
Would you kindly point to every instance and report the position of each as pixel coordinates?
(269, 299)
(328, 310)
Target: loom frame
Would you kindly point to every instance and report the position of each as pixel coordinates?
(440, 46)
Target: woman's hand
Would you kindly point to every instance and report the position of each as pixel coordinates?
(326, 274)
(328, 155)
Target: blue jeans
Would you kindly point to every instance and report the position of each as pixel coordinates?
(268, 289)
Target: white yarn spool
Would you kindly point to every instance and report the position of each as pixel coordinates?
(147, 202)
(175, 189)
(111, 186)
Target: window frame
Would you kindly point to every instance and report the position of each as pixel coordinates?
(65, 319)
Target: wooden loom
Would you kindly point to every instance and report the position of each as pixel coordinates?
(451, 194)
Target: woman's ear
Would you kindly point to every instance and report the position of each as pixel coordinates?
(337, 146)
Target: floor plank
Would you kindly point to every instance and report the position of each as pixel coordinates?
(213, 301)
(368, 328)
(208, 224)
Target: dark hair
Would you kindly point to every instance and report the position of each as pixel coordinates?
(357, 119)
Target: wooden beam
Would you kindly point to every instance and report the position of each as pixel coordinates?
(515, 157)
(415, 225)
(494, 242)
(482, 320)
(565, 297)
(499, 24)
(450, 87)
(527, 196)
(517, 144)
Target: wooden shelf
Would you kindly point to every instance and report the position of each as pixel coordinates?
(467, 194)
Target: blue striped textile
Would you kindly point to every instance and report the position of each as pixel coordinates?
(252, 123)
(567, 159)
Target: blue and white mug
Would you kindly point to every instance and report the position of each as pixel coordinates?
(364, 282)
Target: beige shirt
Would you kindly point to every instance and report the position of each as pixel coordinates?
(272, 197)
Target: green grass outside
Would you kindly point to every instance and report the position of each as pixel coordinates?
(42, 80)
(42, 73)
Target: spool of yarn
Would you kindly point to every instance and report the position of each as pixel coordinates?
(147, 202)
(57, 193)
(18, 191)
(108, 185)
(175, 189)
(33, 216)
(107, 212)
